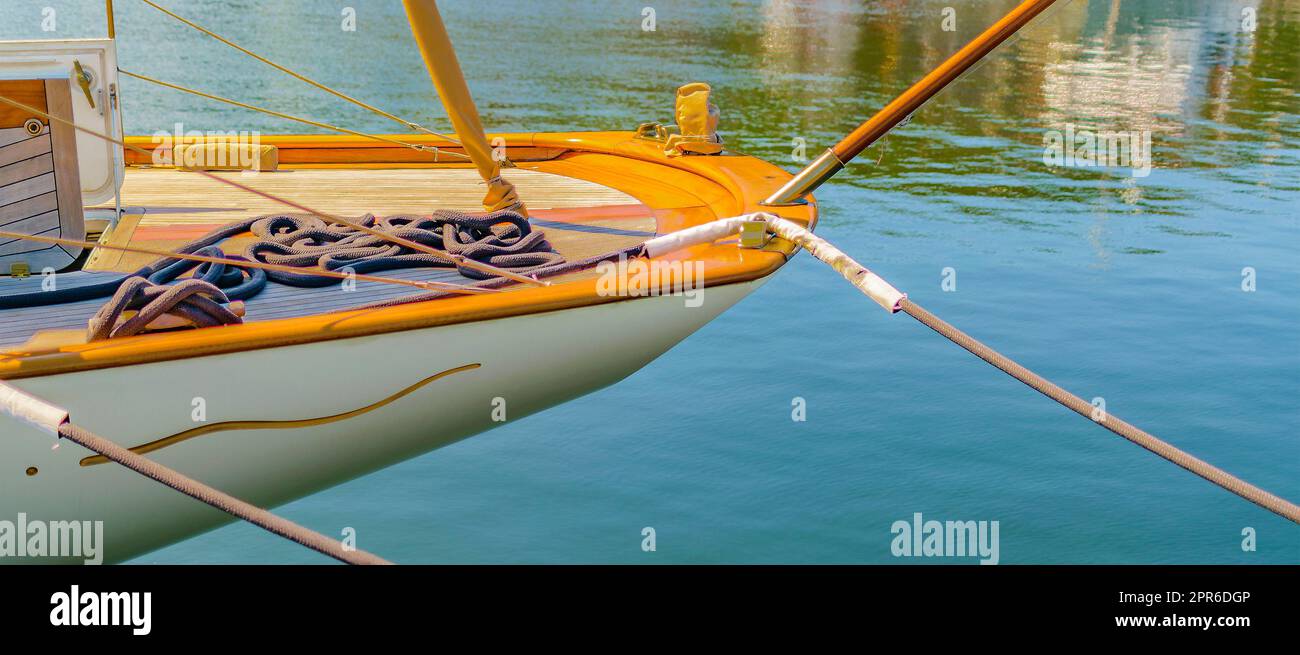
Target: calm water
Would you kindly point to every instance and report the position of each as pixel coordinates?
(1129, 289)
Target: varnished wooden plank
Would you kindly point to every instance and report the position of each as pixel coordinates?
(368, 151)
(358, 191)
(102, 259)
(28, 92)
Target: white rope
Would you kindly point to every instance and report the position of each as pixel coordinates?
(874, 286)
(42, 415)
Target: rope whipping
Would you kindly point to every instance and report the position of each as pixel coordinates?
(216, 498)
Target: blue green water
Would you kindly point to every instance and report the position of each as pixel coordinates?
(1125, 288)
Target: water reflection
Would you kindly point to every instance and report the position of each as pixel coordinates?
(1178, 69)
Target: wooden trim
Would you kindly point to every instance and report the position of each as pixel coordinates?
(67, 172)
(28, 92)
(323, 150)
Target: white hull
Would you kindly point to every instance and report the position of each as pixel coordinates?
(532, 362)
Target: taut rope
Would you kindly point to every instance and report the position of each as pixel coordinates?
(1218, 476)
(893, 300)
(54, 421)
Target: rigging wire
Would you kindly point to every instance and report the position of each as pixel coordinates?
(409, 124)
(306, 121)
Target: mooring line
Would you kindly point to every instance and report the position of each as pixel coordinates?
(893, 300)
(54, 421)
(1218, 476)
(218, 499)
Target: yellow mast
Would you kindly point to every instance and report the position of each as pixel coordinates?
(440, 58)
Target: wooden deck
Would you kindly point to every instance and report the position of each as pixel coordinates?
(167, 208)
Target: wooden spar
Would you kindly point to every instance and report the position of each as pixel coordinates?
(112, 27)
(444, 69)
(834, 159)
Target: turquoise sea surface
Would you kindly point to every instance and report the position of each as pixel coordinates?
(1120, 287)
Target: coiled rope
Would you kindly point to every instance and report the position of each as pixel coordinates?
(197, 301)
(237, 263)
(325, 252)
(503, 239)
